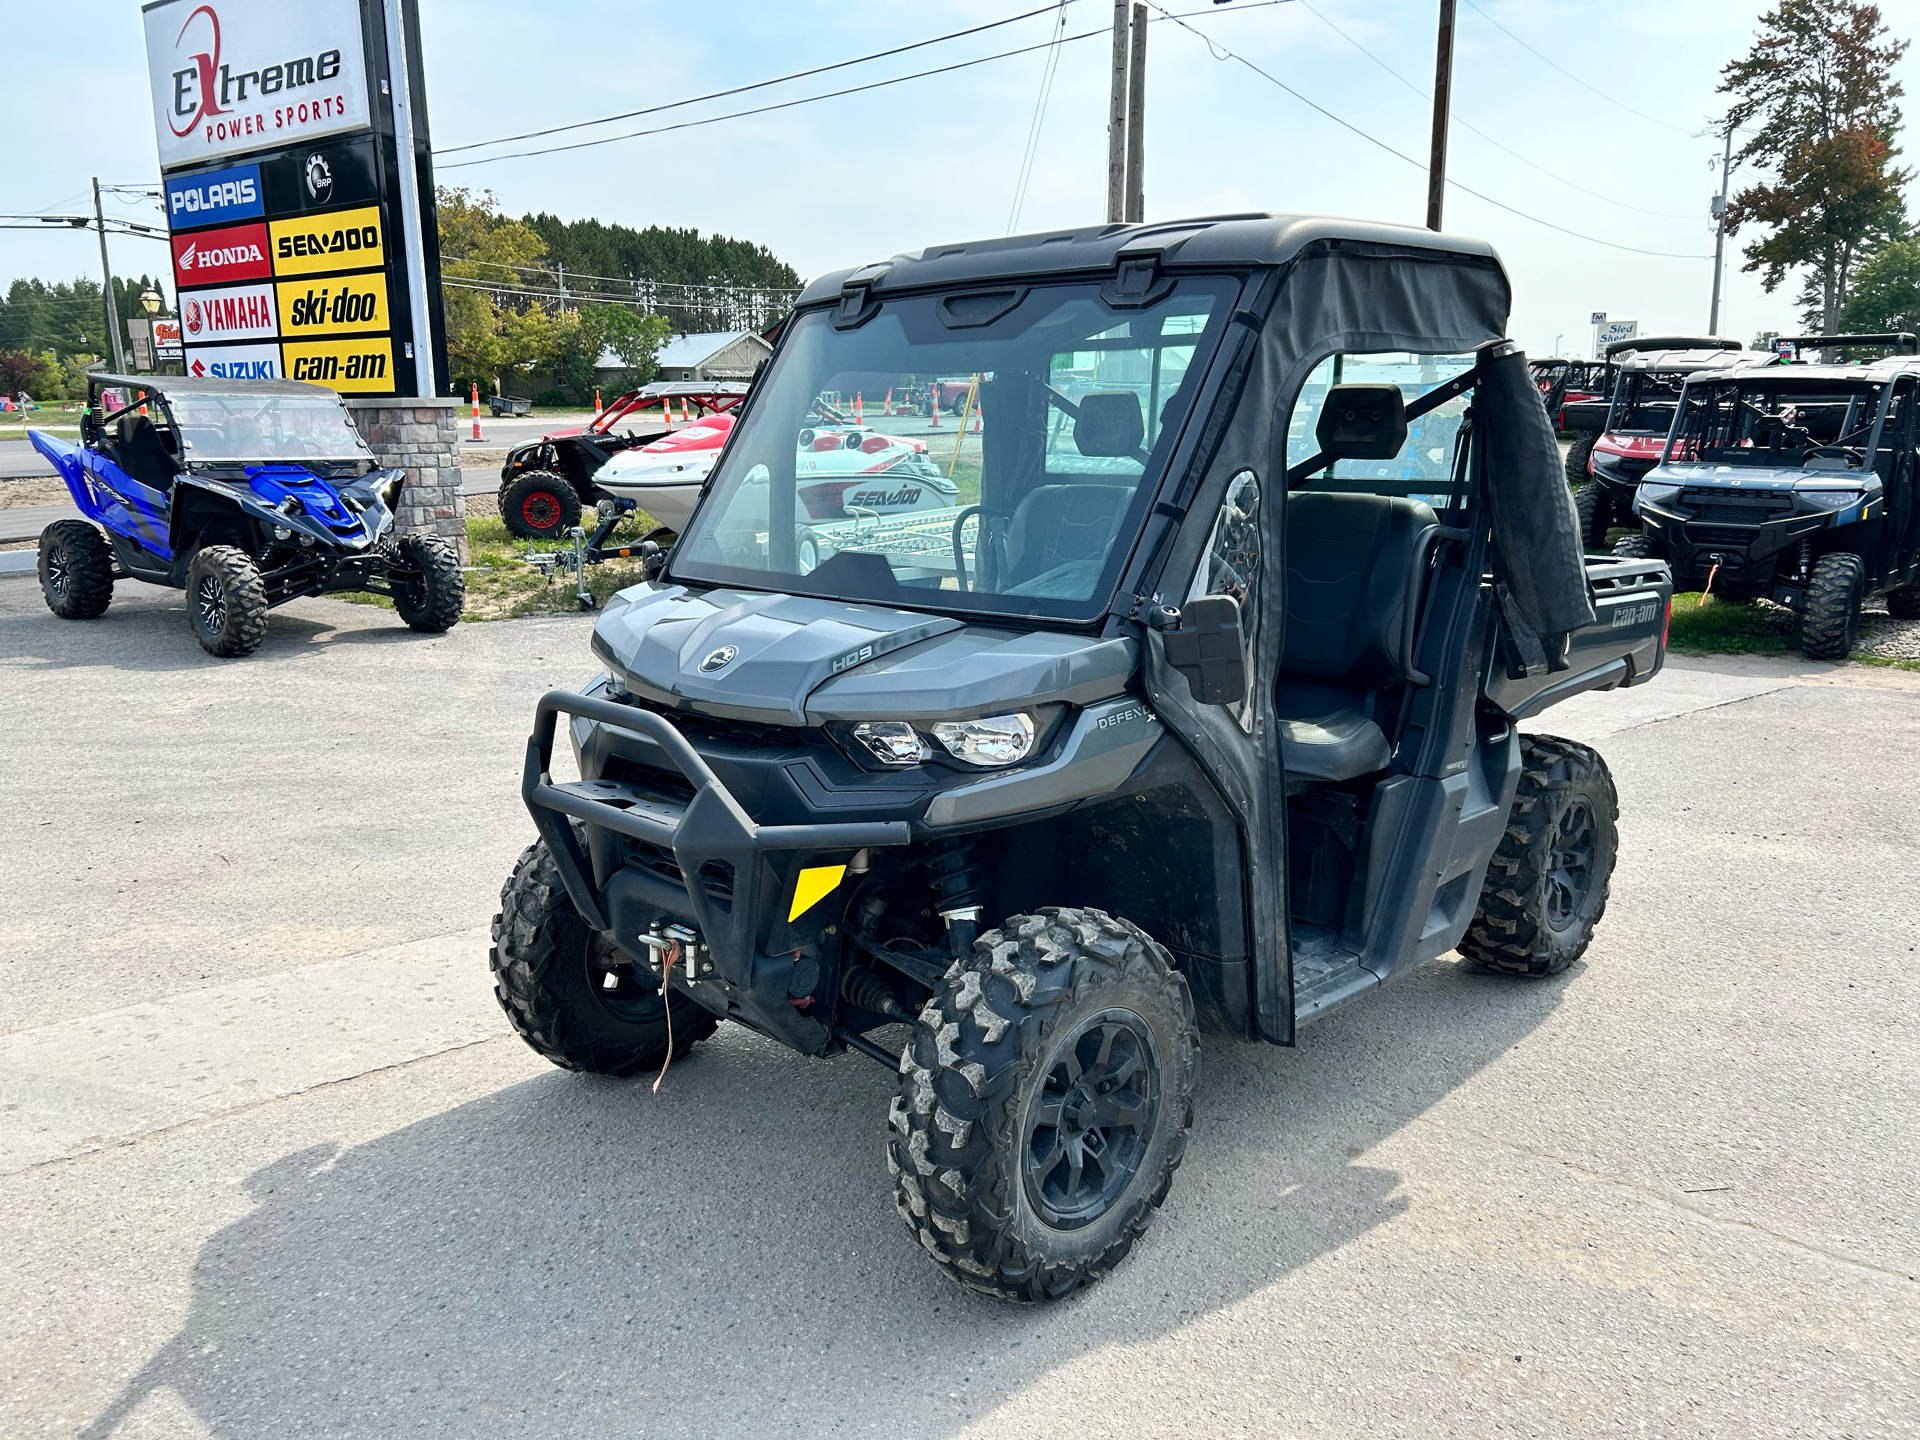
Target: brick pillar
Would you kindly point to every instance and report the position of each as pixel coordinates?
(421, 437)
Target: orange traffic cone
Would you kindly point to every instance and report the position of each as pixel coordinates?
(856, 409)
(933, 409)
(597, 406)
(889, 410)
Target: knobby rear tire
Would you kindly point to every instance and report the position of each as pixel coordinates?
(75, 566)
(1516, 928)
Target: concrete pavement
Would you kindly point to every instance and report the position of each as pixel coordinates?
(274, 1166)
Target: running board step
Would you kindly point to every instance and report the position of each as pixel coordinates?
(1324, 975)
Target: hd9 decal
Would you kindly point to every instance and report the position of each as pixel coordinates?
(333, 305)
(344, 365)
(317, 244)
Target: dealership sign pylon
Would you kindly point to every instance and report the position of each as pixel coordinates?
(298, 183)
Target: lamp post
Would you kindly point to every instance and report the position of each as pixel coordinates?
(150, 301)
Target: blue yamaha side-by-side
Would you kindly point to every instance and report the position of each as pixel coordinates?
(245, 494)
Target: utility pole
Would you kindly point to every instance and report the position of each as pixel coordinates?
(560, 268)
(106, 275)
(1137, 119)
(1442, 90)
(1720, 232)
(1117, 120)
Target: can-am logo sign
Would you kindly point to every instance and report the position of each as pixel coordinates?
(231, 77)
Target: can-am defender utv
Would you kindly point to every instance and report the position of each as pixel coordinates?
(1630, 424)
(244, 493)
(546, 484)
(1796, 484)
(1195, 711)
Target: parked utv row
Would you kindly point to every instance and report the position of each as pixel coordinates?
(1756, 477)
(245, 494)
(1195, 709)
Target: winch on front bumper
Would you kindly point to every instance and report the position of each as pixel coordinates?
(726, 864)
(1755, 537)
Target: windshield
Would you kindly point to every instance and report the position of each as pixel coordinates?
(1776, 424)
(985, 450)
(1644, 401)
(255, 427)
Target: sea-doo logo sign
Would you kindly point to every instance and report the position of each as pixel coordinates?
(886, 499)
(718, 659)
(227, 77)
(339, 240)
(210, 257)
(239, 312)
(214, 197)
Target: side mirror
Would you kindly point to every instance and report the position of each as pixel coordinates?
(1204, 643)
(1362, 422)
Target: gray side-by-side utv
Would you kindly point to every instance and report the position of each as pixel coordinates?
(1198, 710)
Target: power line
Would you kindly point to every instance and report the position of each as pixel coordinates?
(829, 95)
(1652, 119)
(1220, 52)
(626, 280)
(1468, 124)
(1032, 151)
(758, 84)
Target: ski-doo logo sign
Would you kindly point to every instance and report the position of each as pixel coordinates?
(214, 197)
(228, 77)
(213, 257)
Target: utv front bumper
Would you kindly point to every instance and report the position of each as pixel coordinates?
(1752, 536)
(729, 867)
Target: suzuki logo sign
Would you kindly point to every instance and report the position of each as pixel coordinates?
(229, 77)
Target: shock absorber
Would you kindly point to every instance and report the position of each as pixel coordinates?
(955, 882)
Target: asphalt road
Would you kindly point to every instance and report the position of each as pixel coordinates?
(269, 1165)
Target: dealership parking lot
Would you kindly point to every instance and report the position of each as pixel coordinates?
(271, 1165)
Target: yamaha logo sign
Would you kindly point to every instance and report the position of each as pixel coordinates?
(719, 659)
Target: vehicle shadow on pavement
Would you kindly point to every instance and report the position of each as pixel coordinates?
(576, 1256)
(147, 632)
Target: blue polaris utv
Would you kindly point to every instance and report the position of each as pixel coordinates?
(245, 494)
(1793, 483)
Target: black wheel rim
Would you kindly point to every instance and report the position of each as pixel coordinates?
(1570, 865)
(1088, 1128)
(626, 992)
(58, 571)
(210, 605)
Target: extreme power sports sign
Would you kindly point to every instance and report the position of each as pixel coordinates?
(229, 76)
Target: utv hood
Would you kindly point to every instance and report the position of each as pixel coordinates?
(795, 660)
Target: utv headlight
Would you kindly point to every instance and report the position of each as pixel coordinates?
(1830, 499)
(995, 740)
(281, 532)
(893, 742)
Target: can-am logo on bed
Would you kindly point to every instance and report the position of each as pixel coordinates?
(214, 197)
(229, 77)
(213, 257)
(237, 312)
(233, 362)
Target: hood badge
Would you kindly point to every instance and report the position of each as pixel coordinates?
(719, 659)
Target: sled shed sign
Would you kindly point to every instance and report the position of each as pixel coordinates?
(298, 182)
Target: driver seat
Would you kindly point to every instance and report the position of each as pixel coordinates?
(143, 454)
(1350, 564)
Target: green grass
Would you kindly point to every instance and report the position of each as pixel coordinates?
(502, 586)
(1712, 626)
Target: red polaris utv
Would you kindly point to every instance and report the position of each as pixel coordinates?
(546, 483)
(1630, 425)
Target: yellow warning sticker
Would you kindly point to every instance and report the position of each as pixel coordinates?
(816, 882)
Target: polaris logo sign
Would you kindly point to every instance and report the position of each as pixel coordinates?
(214, 197)
(228, 77)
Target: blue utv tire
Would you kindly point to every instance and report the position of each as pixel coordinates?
(226, 601)
(76, 570)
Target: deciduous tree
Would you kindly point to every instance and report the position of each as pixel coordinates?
(1885, 293)
(1817, 93)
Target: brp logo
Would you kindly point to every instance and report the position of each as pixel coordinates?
(319, 178)
(200, 75)
(719, 659)
(190, 317)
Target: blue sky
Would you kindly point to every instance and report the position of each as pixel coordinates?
(856, 179)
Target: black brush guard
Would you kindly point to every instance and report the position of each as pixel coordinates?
(710, 829)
